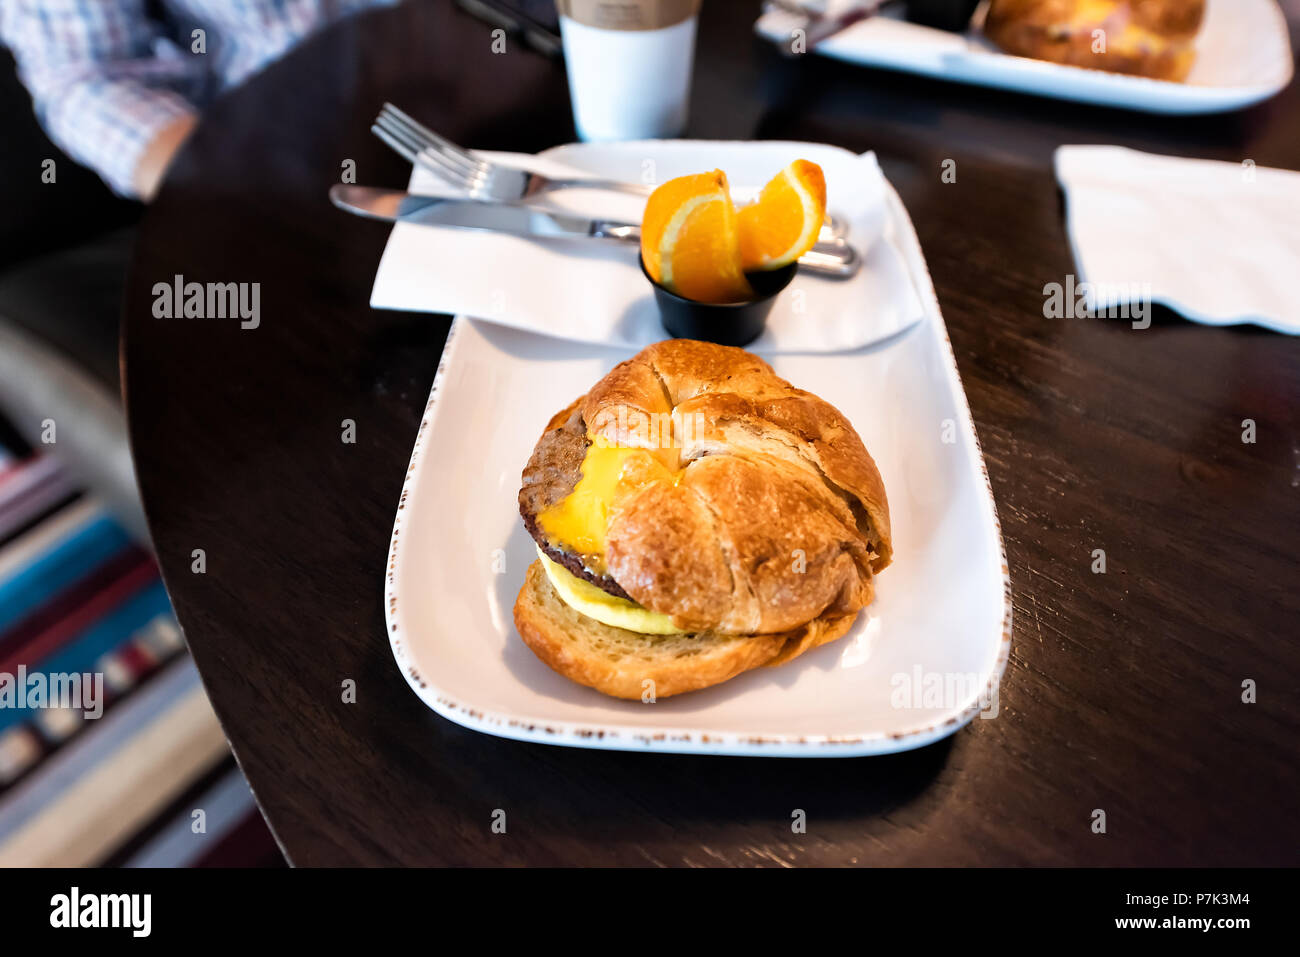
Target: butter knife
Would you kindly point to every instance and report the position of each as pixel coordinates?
(834, 257)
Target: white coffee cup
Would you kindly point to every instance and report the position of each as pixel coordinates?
(629, 65)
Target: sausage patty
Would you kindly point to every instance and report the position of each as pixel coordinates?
(550, 475)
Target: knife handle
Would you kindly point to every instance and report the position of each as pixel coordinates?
(827, 258)
(606, 229)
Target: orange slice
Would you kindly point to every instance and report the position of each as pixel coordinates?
(784, 222)
(689, 242)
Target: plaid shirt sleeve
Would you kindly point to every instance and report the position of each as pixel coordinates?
(103, 77)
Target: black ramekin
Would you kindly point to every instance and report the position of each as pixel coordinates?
(951, 15)
(726, 323)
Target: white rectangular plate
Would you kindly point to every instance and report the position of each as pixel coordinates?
(919, 663)
(1243, 55)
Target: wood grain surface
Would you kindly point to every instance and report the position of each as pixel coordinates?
(1124, 690)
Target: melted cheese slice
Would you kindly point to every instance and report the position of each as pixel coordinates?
(586, 599)
(579, 521)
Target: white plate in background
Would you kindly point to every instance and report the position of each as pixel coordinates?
(938, 632)
(1243, 56)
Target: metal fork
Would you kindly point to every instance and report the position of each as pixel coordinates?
(490, 181)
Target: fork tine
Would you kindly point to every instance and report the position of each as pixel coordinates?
(412, 143)
(452, 168)
(431, 141)
(430, 136)
(465, 179)
(442, 168)
(394, 144)
(417, 152)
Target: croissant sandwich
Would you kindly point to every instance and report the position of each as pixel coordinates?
(695, 517)
(1153, 38)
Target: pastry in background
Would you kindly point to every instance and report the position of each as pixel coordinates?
(1152, 38)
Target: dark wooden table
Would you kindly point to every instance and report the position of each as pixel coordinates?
(1124, 690)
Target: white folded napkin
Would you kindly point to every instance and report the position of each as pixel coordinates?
(1217, 242)
(593, 290)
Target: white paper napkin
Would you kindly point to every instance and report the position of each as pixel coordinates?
(593, 291)
(1217, 242)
